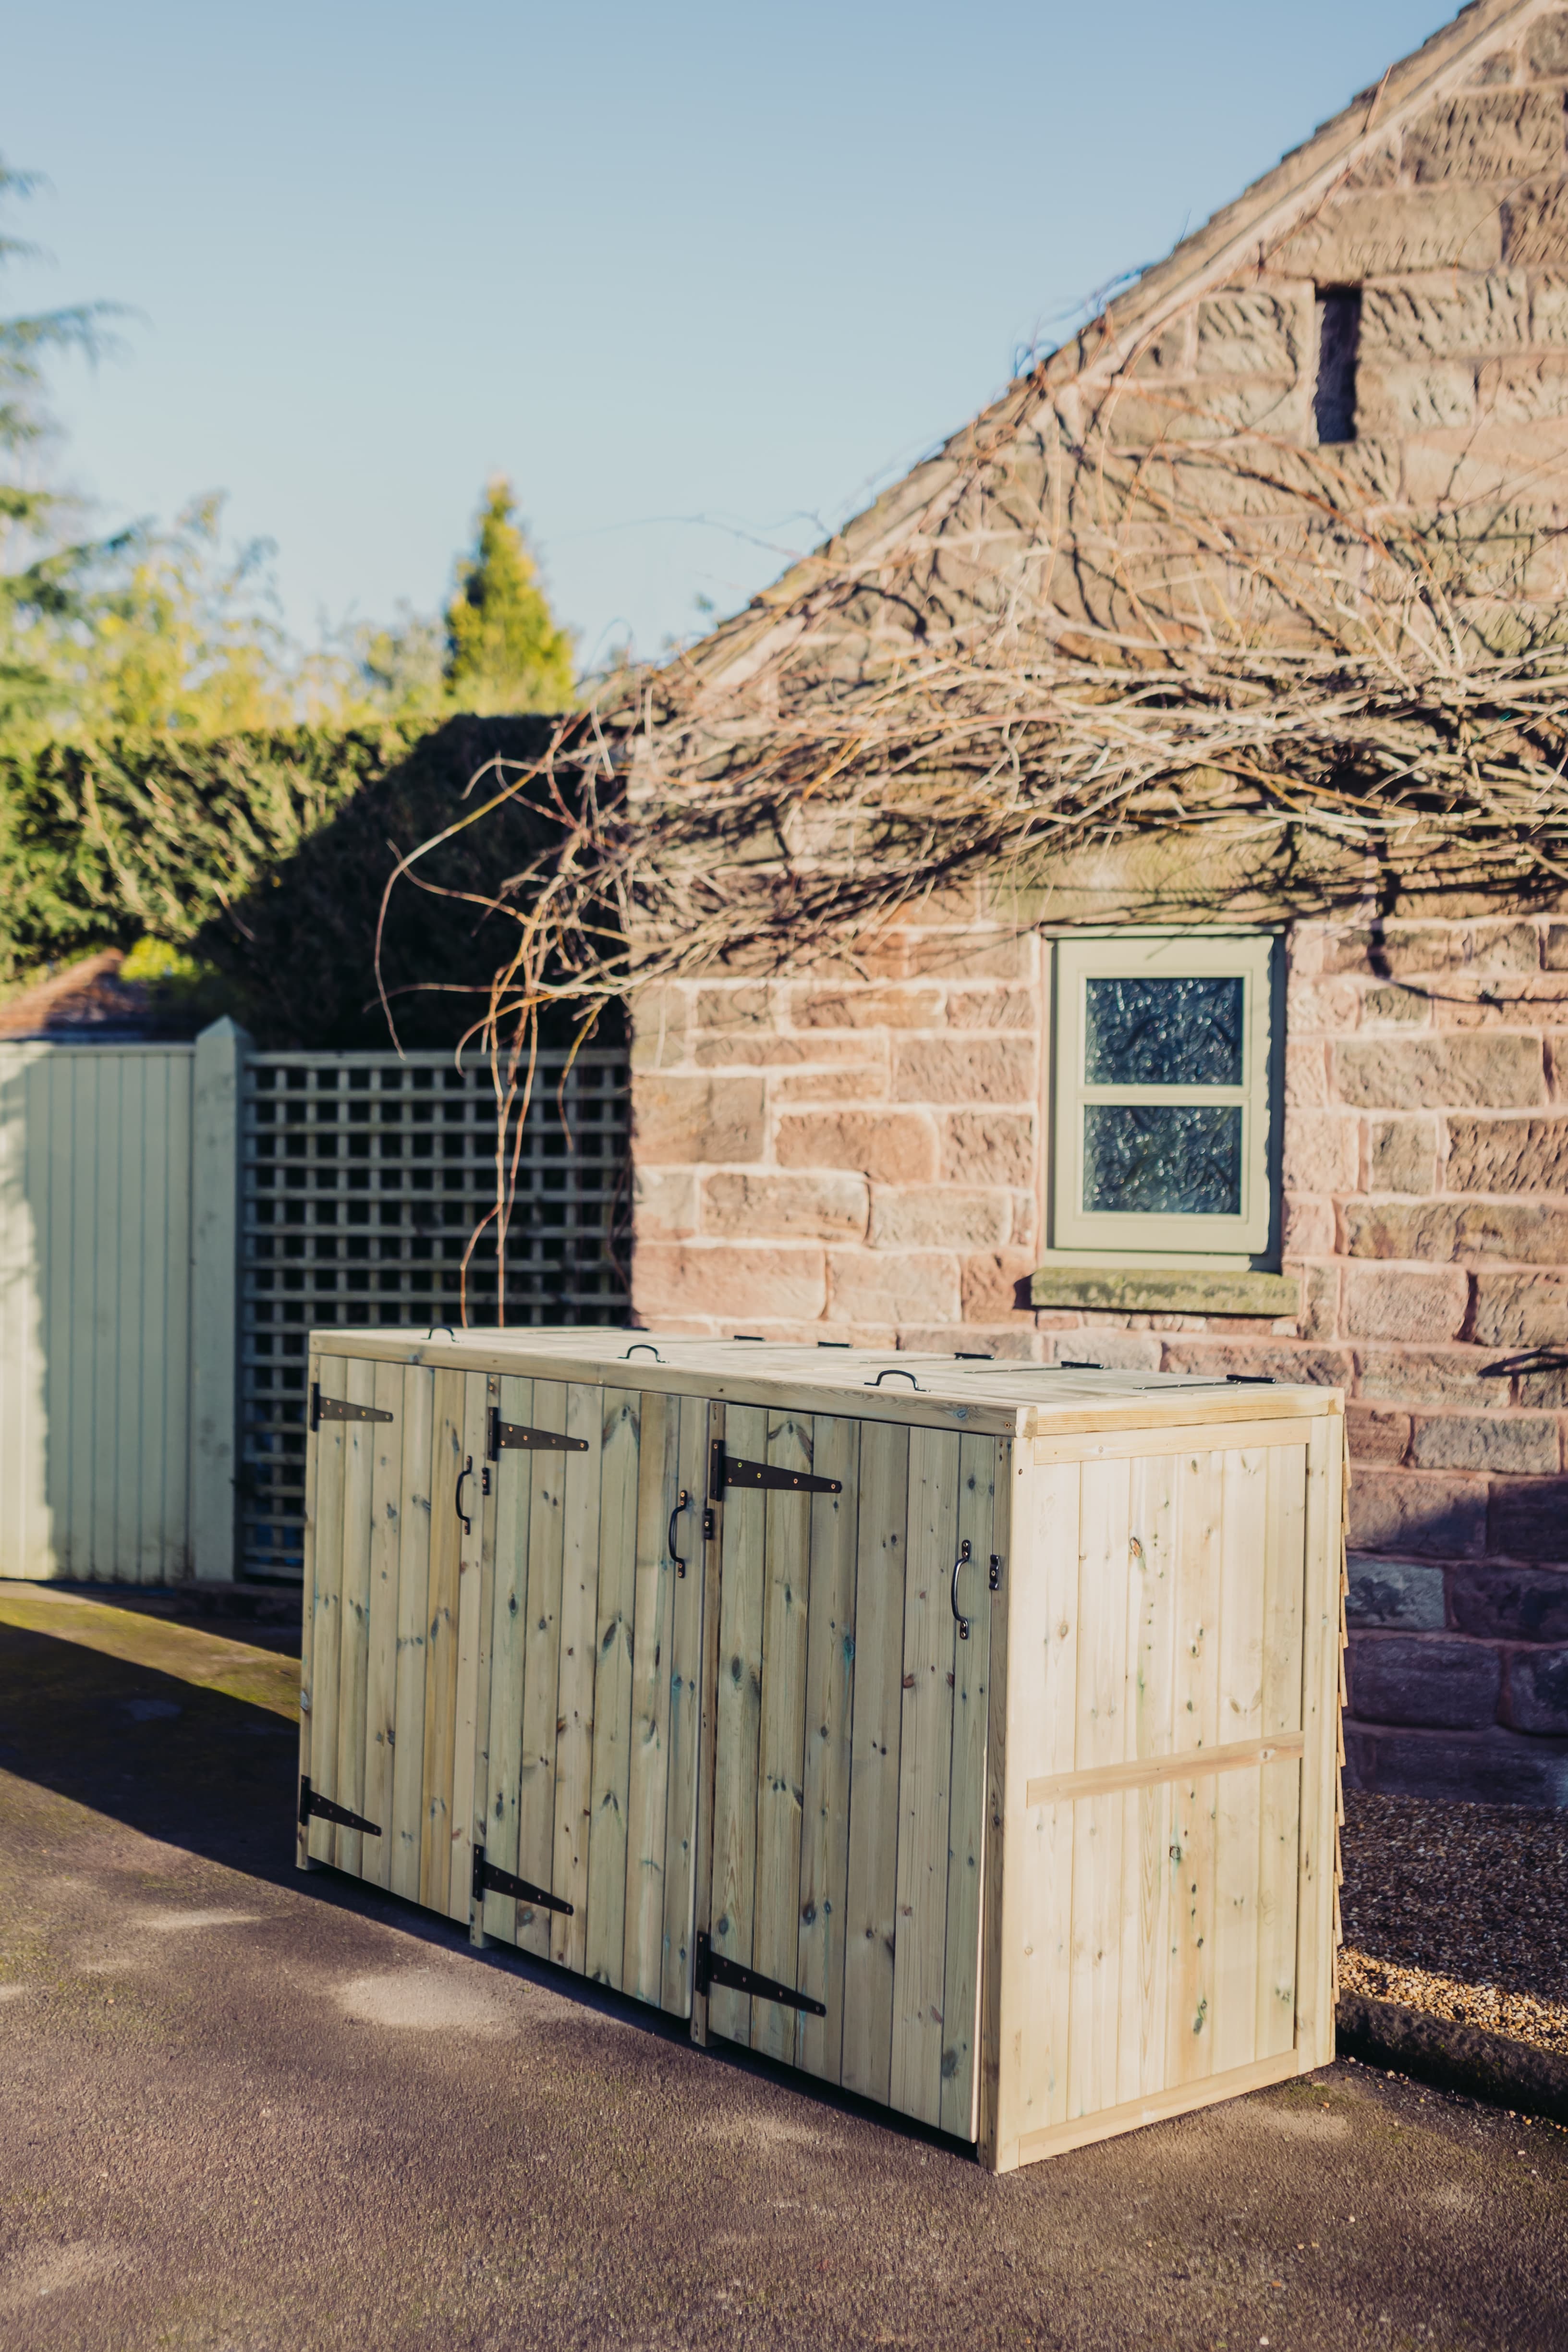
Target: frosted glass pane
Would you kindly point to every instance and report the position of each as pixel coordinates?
(1163, 1033)
(1180, 1158)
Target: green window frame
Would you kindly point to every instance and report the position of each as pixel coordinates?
(1152, 1160)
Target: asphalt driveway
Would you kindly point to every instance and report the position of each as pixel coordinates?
(247, 2109)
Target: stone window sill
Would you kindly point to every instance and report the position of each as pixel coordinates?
(1166, 1291)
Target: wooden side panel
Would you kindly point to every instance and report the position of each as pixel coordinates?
(510, 1758)
(926, 1762)
(534, 1730)
(405, 1827)
(1280, 1787)
(583, 1488)
(327, 1554)
(642, 1957)
(1244, 1548)
(743, 1523)
(473, 1649)
(1320, 1772)
(612, 1688)
(685, 1683)
(776, 1923)
(354, 1628)
(1195, 1799)
(1105, 1715)
(308, 1591)
(381, 1687)
(1152, 1547)
(965, 1836)
(441, 1627)
(872, 1896)
(830, 1698)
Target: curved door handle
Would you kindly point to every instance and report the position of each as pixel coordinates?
(894, 1372)
(466, 1472)
(683, 1502)
(959, 1566)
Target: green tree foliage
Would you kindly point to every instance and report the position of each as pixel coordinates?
(504, 650)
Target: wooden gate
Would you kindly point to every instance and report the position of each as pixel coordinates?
(850, 1765)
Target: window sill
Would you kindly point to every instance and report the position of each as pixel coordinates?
(1166, 1291)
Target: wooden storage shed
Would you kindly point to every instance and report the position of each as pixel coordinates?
(962, 1732)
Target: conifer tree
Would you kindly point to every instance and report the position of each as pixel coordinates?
(504, 650)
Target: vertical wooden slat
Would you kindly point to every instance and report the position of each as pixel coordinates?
(1200, 1497)
(1280, 1823)
(101, 1100)
(658, 1473)
(473, 1648)
(1244, 1548)
(1105, 1726)
(381, 1688)
(307, 1620)
(743, 1526)
(776, 1923)
(354, 1611)
(926, 1763)
(512, 1758)
(1320, 1774)
(441, 1642)
(872, 1903)
(612, 1688)
(485, 1678)
(181, 1398)
(541, 1672)
(585, 1418)
(1017, 1553)
(1151, 1574)
(703, 1868)
(136, 1357)
(326, 1555)
(965, 1838)
(829, 1749)
(686, 1663)
(406, 1828)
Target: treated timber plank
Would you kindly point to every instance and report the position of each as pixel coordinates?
(966, 1812)
(381, 1680)
(579, 1630)
(512, 1477)
(712, 1425)
(538, 1702)
(780, 1775)
(612, 1687)
(405, 1828)
(484, 1679)
(1153, 1772)
(1106, 1668)
(1157, 2107)
(473, 1644)
(743, 1521)
(1195, 1798)
(1244, 1546)
(926, 1764)
(1011, 1472)
(829, 1749)
(307, 1621)
(1120, 1444)
(1320, 1709)
(882, 1549)
(685, 1679)
(1280, 1815)
(642, 1955)
(441, 1643)
(1151, 1546)
(326, 1607)
(354, 1631)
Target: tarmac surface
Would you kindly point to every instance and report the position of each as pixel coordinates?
(252, 2110)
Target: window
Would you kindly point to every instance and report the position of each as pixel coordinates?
(1163, 1133)
(1338, 347)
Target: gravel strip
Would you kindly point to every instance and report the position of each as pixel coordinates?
(1459, 1911)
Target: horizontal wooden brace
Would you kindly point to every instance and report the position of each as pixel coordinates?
(1216, 1436)
(1149, 1771)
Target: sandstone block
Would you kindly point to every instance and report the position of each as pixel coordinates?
(1522, 1310)
(663, 1204)
(1318, 1317)
(1402, 1595)
(939, 1216)
(899, 1288)
(1324, 1007)
(1417, 951)
(1309, 1227)
(1384, 1302)
(1414, 1511)
(1554, 951)
(890, 1146)
(1100, 1343)
(659, 1022)
(993, 1008)
(1454, 1685)
(1506, 134)
(868, 1007)
(727, 1284)
(1463, 1068)
(965, 1070)
(1520, 391)
(1520, 1442)
(1476, 1768)
(1528, 1519)
(1538, 223)
(1388, 233)
(1547, 45)
(1501, 66)
(1508, 1155)
(1547, 1389)
(1252, 334)
(1512, 1604)
(1538, 1693)
(1402, 1155)
(766, 1049)
(1208, 410)
(1414, 1376)
(864, 1082)
(1306, 1074)
(988, 1148)
(686, 1120)
(1527, 1231)
(1435, 318)
(797, 1208)
(1557, 1063)
(1376, 1432)
(742, 1004)
(995, 1286)
(1280, 1359)
(1394, 1006)
(975, 955)
(1399, 400)
(1320, 1151)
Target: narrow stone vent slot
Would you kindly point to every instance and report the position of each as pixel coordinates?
(1339, 344)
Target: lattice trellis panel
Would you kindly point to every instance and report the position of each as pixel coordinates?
(362, 1178)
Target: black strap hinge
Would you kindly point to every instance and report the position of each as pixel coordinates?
(713, 1968)
(516, 1436)
(490, 1880)
(313, 1806)
(325, 1408)
(730, 1470)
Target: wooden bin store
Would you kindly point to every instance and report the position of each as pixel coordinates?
(965, 1734)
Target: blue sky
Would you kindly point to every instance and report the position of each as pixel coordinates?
(700, 279)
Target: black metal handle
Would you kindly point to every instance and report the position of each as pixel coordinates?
(894, 1372)
(683, 1501)
(466, 1472)
(961, 1562)
(643, 1348)
(441, 1327)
